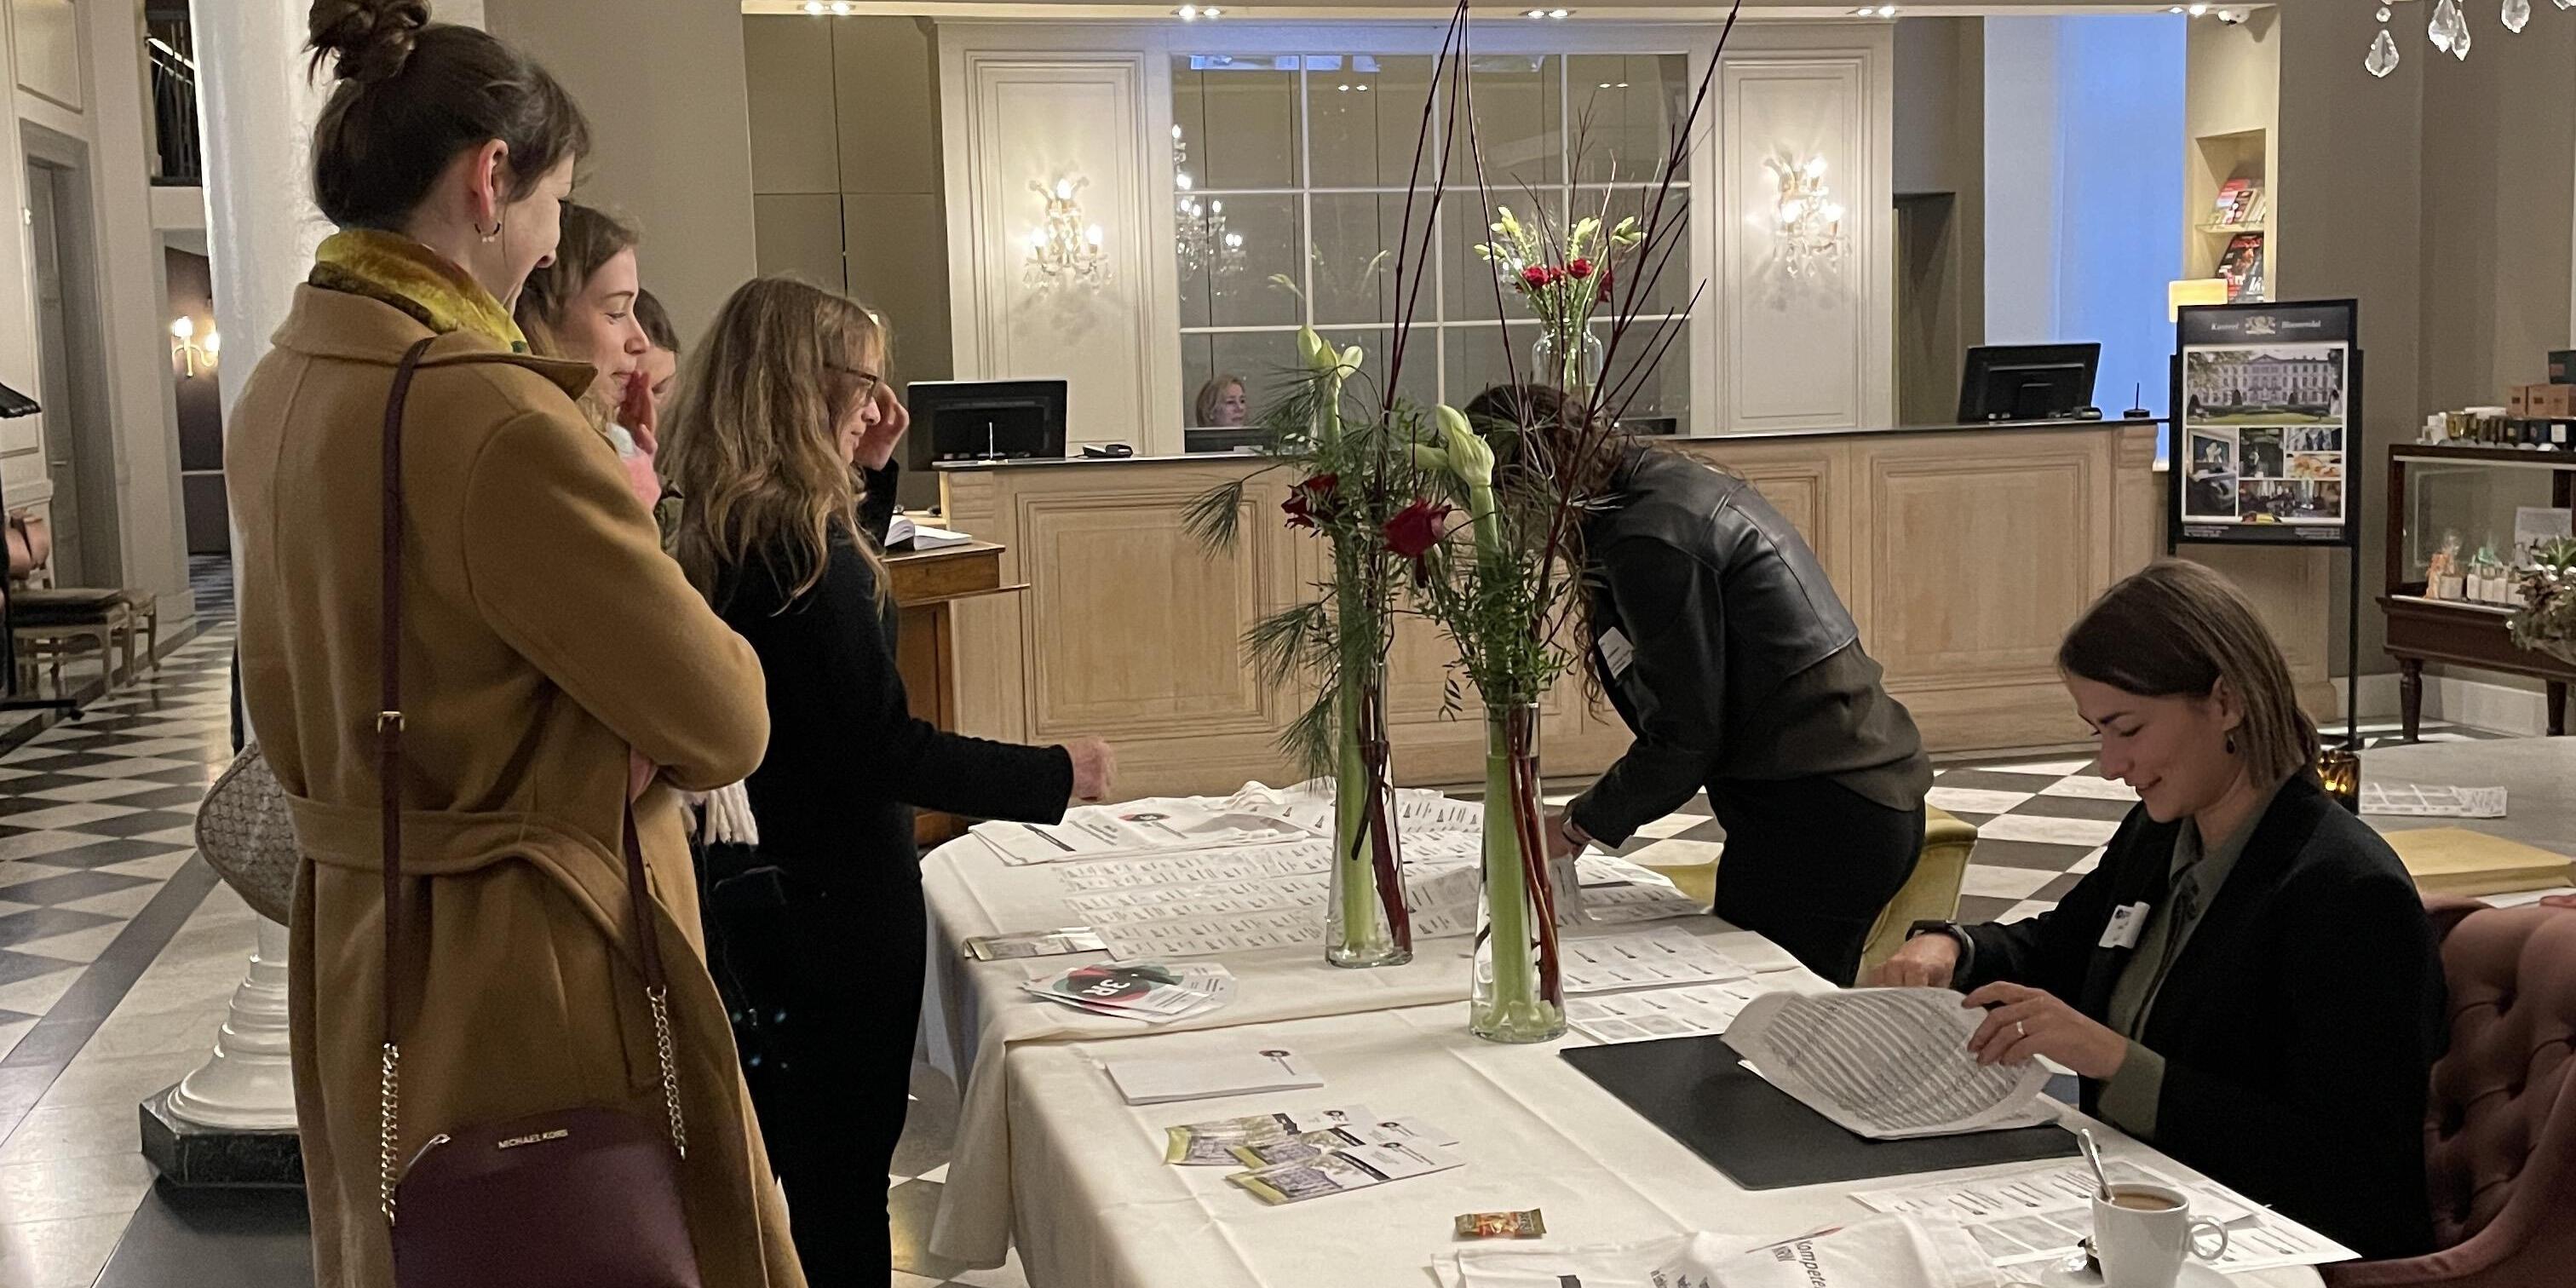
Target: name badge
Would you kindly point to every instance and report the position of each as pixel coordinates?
(1617, 654)
(2126, 925)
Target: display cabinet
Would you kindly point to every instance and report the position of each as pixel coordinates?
(2479, 495)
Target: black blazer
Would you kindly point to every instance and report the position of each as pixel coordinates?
(1722, 602)
(2299, 1025)
(847, 759)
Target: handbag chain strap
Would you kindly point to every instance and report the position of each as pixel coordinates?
(389, 762)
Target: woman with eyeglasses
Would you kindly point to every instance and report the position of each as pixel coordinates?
(781, 449)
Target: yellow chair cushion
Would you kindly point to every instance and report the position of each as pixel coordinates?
(1931, 894)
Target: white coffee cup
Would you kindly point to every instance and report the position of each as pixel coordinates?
(2143, 1232)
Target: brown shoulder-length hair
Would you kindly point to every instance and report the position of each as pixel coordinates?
(2175, 629)
(591, 237)
(753, 446)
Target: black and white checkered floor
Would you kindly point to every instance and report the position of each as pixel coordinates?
(117, 952)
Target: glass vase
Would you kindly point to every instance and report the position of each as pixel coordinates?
(1367, 923)
(1519, 995)
(1574, 369)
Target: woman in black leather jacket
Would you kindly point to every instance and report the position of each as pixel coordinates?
(1716, 635)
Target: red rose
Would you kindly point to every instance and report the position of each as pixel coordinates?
(1578, 270)
(1534, 276)
(1415, 529)
(1311, 500)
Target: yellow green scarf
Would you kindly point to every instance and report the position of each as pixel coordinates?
(396, 270)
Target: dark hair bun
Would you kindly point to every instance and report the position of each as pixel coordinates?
(368, 40)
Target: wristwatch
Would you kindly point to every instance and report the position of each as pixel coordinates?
(1573, 832)
(1967, 946)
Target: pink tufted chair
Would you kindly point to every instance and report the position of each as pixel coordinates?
(2500, 1129)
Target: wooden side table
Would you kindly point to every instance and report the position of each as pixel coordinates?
(925, 585)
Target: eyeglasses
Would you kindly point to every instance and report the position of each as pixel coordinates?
(868, 380)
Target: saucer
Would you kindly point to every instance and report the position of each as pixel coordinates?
(2195, 1274)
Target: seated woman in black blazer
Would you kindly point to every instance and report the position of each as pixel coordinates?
(2248, 980)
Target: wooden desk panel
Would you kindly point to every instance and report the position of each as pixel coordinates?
(1963, 554)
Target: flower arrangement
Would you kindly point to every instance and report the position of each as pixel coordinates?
(1358, 490)
(1561, 282)
(2546, 622)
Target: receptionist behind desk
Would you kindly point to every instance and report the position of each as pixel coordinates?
(2248, 980)
(1720, 642)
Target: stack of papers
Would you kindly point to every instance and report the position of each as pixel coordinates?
(2409, 800)
(1645, 959)
(1152, 1080)
(1339, 1171)
(1887, 1063)
(1158, 825)
(1874, 1252)
(1033, 943)
(1662, 1013)
(1147, 991)
(1277, 1139)
(2039, 1212)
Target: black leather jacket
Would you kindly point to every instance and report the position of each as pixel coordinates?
(1725, 649)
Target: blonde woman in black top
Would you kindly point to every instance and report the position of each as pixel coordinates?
(783, 418)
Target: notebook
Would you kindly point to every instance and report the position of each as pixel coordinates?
(1155, 1081)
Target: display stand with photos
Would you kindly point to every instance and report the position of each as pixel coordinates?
(2266, 436)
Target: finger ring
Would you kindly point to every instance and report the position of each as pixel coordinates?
(2020, 1030)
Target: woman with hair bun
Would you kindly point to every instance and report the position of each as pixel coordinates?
(545, 642)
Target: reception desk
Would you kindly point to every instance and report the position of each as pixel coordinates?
(1963, 552)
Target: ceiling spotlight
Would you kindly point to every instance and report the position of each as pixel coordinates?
(2231, 16)
(1558, 13)
(2198, 9)
(1887, 11)
(1187, 13)
(841, 8)
(2175, 9)
(814, 7)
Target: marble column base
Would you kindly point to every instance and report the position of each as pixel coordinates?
(187, 1154)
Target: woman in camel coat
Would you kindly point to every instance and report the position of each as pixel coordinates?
(545, 637)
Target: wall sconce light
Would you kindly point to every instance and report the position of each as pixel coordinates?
(189, 350)
(1063, 250)
(1807, 222)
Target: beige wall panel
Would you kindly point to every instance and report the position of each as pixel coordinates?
(1798, 352)
(48, 51)
(795, 142)
(898, 263)
(799, 234)
(888, 105)
(1977, 565)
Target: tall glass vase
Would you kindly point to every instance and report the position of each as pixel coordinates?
(1519, 995)
(1368, 924)
(1574, 368)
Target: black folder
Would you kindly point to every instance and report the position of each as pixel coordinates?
(1698, 1091)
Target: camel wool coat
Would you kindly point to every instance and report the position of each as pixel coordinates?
(545, 634)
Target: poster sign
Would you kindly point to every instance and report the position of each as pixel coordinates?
(2267, 423)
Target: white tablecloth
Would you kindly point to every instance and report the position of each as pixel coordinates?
(1102, 1208)
(1046, 1148)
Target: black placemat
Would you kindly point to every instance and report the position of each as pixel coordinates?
(1697, 1090)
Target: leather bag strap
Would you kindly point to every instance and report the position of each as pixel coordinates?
(389, 768)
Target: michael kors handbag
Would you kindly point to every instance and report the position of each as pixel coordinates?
(584, 1195)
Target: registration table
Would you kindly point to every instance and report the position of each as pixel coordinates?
(1049, 1155)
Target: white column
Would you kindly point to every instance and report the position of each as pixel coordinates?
(256, 109)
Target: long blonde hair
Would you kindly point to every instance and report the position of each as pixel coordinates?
(753, 447)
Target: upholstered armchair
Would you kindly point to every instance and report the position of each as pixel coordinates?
(1931, 894)
(2500, 1127)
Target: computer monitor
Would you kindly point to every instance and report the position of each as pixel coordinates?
(2027, 381)
(989, 420)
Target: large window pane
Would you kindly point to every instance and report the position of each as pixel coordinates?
(1664, 392)
(1419, 383)
(1262, 362)
(1365, 119)
(1623, 110)
(1358, 239)
(1518, 103)
(1483, 356)
(1231, 249)
(1238, 119)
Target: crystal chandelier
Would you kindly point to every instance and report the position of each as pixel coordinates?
(1063, 250)
(2447, 29)
(1200, 237)
(1808, 223)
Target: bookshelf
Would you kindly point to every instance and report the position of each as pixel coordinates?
(2228, 197)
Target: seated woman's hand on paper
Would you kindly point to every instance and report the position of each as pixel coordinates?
(1926, 961)
(2024, 1022)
